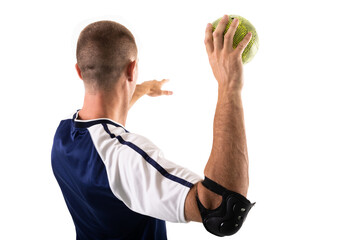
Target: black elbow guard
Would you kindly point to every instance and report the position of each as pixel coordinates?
(228, 218)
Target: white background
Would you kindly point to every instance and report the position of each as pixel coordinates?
(301, 100)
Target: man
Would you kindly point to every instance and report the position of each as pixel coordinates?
(117, 184)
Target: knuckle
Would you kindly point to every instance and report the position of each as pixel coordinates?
(207, 40)
(217, 34)
(228, 36)
(242, 45)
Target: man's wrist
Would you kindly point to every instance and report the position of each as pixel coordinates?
(141, 89)
(229, 93)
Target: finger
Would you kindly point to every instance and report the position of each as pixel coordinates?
(209, 43)
(164, 81)
(229, 36)
(219, 32)
(242, 45)
(166, 92)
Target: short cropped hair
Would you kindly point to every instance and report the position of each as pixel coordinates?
(103, 51)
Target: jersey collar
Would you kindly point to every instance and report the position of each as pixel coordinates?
(88, 123)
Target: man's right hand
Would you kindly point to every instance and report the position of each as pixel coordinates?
(225, 61)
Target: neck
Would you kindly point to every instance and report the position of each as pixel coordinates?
(99, 104)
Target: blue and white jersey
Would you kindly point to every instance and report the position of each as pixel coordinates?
(117, 184)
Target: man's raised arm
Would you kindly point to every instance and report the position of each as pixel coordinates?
(226, 171)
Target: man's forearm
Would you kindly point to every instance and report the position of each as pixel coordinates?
(228, 162)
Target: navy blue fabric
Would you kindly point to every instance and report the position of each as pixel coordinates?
(96, 212)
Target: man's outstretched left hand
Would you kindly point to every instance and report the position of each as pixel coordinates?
(151, 88)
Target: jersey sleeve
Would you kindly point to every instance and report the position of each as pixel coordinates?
(140, 176)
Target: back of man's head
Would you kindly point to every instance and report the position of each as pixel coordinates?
(104, 49)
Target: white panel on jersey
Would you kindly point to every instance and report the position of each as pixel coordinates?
(135, 181)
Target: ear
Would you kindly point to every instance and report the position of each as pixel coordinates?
(130, 71)
(78, 70)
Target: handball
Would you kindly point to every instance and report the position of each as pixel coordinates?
(243, 28)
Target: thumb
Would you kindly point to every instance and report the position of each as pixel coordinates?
(164, 81)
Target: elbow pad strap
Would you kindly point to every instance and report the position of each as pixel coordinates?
(228, 218)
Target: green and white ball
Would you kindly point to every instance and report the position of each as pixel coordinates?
(243, 28)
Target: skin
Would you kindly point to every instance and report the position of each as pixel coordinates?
(116, 103)
(151, 88)
(228, 161)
